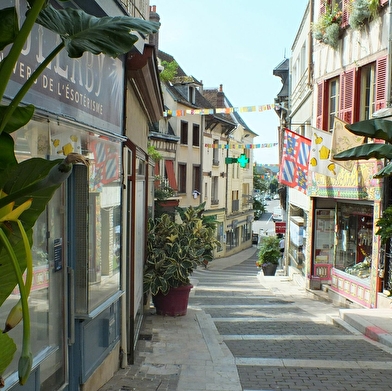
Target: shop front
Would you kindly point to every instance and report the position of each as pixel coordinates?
(345, 249)
(76, 291)
(354, 233)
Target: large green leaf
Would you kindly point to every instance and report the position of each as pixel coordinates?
(81, 32)
(7, 155)
(28, 173)
(12, 180)
(8, 349)
(366, 151)
(9, 27)
(8, 279)
(373, 128)
(385, 171)
(20, 117)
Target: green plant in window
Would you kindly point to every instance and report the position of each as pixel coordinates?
(373, 8)
(327, 28)
(27, 187)
(362, 11)
(153, 153)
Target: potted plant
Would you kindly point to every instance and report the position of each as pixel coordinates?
(359, 13)
(174, 251)
(327, 28)
(269, 254)
(362, 11)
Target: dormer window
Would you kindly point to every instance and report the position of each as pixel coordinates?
(192, 94)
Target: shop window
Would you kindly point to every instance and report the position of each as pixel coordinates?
(354, 244)
(219, 236)
(94, 197)
(46, 300)
(232, 238)
(324, 236)
(245, 232)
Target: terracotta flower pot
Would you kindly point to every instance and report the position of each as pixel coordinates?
(174, 303)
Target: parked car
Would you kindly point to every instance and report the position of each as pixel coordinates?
(267, 198)
(277, 214)
(257, 214)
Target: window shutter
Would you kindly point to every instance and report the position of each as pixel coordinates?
(322, 7)
(346, 103)
(171, 176)
(320, 106)
(381, 78)
(345, 13)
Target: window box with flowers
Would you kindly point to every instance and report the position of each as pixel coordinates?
(327, 28)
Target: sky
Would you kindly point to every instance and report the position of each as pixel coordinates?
(237, 44)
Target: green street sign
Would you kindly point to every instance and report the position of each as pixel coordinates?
(230, 160)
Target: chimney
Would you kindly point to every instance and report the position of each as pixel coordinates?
(220, 97)
(154, 17)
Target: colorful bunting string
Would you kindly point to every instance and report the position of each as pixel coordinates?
(225, 110)
(240, 146)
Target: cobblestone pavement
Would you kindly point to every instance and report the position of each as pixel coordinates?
(287, 342)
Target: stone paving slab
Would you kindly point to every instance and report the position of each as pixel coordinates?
(313, 379)
(252, 311)
(334, 350)
(224, 300)
(278, 327)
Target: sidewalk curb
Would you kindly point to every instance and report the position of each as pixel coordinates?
(366, 328)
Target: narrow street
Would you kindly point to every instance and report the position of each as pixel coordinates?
(283, 339)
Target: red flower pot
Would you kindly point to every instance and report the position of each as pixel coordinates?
(174, 303)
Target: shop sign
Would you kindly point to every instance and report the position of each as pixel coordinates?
(89, 88)
(280, 227)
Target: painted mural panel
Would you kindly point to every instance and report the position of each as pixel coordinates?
(355, 184)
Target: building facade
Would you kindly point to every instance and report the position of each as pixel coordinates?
(88, 245)
(336, 80)
(198, 137)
